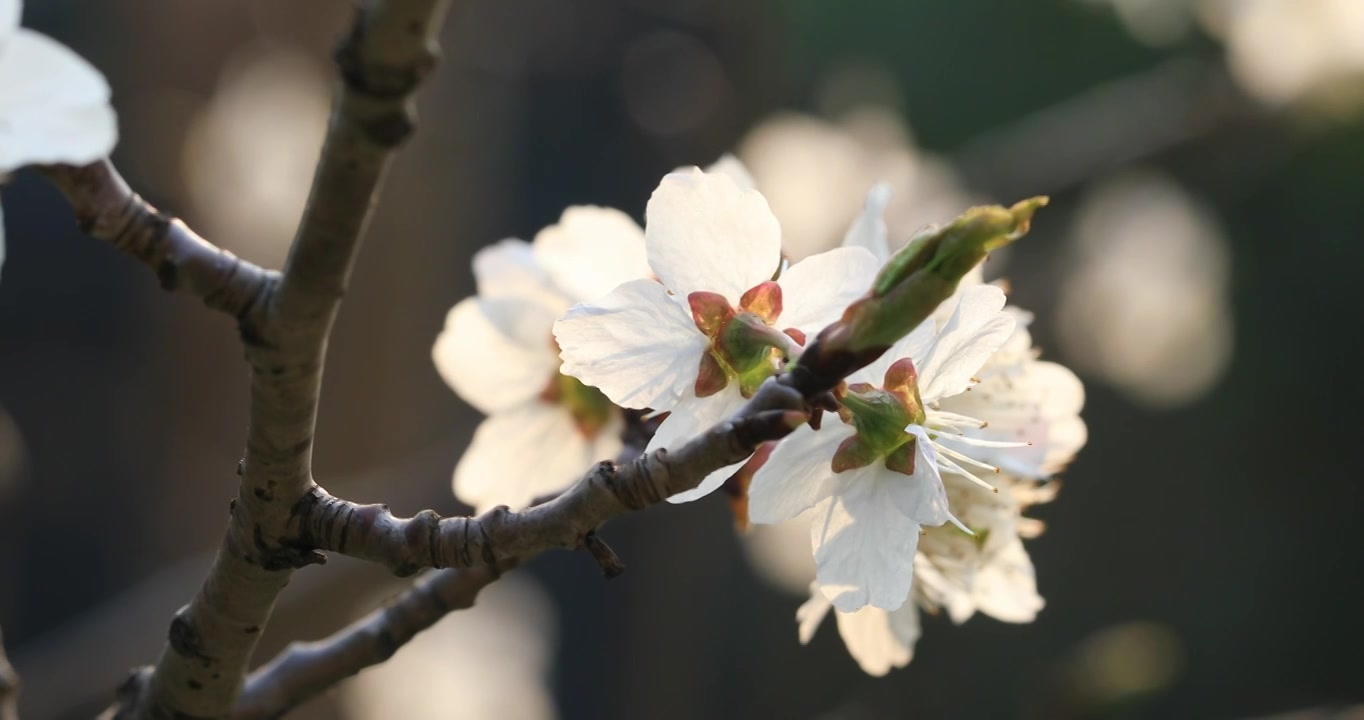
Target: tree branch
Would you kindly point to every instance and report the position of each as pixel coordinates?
(496, 542)
(503, 538)
(9, 686)
(201, 668)
(305, 670)
(109, 210)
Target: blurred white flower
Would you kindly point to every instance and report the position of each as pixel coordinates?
(490, 661)
(250, 152)
(988, 572)
(701, 338)
(1145, 305)
(874, 478)
(780, 553)
(1280, 51)
(815, 173)
(54, 106)
(497, 351)
(1284, 50)
(1154, 22)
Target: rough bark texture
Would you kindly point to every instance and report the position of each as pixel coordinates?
(487, 546)
(501, 537)
(284, 326)
(305, 670)
(9, 686)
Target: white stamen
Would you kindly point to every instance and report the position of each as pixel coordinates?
(965, 458)
(941, 418)
(982, 442)
(960, 525)
(952, 467)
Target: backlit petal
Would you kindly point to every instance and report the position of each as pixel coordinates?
(921, 496)
(591, 250)
(975, 331)
(880, 640)
(797, 474)
(688, 420)
(637, 345)
(521, 454)
(488, 368)
(816, 290)
(864, 546)
(54, 106)
(703, 233)
(868, 230)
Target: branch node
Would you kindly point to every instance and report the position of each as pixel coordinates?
(286, 556)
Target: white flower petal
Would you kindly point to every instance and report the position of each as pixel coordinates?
(915, 344)
(921, 496)
(816, 290)
(1006, 587)
(864, 546)
(703, 233)
(509, 267)
(689, 419)
(879, 640)
(10, 10)
(975, 331)
(810, 614)
(54, 106)
(636, 344)
(798, 473)
(1038, 402)
(488, 368)
(591, 250)
(521, 454)
(868, 230)
(734, 168)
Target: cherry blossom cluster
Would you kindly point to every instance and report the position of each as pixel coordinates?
(911, 494)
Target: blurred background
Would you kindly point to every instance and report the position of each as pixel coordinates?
(1196, 267)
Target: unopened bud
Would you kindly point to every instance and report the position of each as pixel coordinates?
(913, 283)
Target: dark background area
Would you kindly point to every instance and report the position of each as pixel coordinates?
(1211, 544)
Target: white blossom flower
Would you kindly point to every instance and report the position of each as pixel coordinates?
(445, 671)
(879, 640)
(988, 571)
(875, 478)
(497, 352)
(701, 338)
(54, 106)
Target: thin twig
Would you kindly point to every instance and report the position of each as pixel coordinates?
(108, 209)
(305, 670)
(201, 668)
(9, 686)
(1102, 129)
